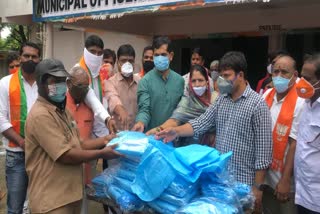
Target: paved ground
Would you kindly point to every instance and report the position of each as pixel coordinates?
(94, 207)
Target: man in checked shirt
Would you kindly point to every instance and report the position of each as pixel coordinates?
(243, 125)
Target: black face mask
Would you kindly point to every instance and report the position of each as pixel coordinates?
(148, 66)
(78, 94)
(29, 66)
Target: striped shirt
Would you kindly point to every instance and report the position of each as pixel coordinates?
(242, 126)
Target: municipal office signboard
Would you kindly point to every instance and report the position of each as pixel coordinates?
(60, 10)
(51, 10)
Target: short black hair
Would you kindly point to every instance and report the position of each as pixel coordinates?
(162, 40)
(234, 60)
(315, 60)
(201, 69)
(12, 56)
(30, 44)
(148, 48)
(199, 51)
(107, 53)
(126, 50)
(94, 40)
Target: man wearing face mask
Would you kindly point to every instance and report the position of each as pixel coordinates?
(147, 61)
(271, 60)
(121, 89)
(306, 162)
(160, 91)
(54, 150)
(18, 92)
(91, 62)
(109, 59)
(214, 67)
(78, 87)
(242, 122)
(285, 107)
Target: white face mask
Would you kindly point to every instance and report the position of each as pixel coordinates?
(93, 62)
(127, 69)
(269, 68)
(199, 90)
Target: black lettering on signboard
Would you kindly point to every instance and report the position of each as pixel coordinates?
(76, 4)
(84, 5)
(93, 3)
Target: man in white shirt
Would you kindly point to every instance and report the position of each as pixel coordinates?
(18, 92)
(91, 62)
(306, 163)
(285, 107)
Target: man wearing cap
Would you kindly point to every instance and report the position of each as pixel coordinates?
(54, 152)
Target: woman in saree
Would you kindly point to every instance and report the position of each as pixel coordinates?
(201, 95)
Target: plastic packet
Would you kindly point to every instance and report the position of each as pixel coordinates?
(207, 205)
(180, 187)
(127, 201)
(123, 184)
(178, 201)
(131, 144)
(162, 206)
(154, 175)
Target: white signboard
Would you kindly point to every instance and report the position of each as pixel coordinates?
(44, 10)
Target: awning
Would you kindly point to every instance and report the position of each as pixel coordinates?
(74, 10)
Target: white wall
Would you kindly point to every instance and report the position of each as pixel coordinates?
(113, 40)
(12, 8)
(68, 45)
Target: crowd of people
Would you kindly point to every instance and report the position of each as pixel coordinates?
(57, 123)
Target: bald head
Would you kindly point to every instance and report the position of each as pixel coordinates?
(286, 60)
(78, 83)
(78, 74)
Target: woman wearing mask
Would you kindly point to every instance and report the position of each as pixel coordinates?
(192, 106)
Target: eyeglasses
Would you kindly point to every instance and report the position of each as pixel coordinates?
(14, 66)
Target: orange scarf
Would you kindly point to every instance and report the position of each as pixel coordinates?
(18, 105)
(282, 128)
(101, 78)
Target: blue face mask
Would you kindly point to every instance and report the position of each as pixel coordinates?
(281, 84)
(161, 63)
(57, 92)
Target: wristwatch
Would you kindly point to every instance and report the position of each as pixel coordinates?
(260, 187)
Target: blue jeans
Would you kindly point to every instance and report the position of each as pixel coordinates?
(17, 182)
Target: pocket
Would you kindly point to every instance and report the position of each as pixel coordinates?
(12, 159)
(312, 136)
(316, 141)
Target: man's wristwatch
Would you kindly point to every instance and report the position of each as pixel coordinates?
(260, 187)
